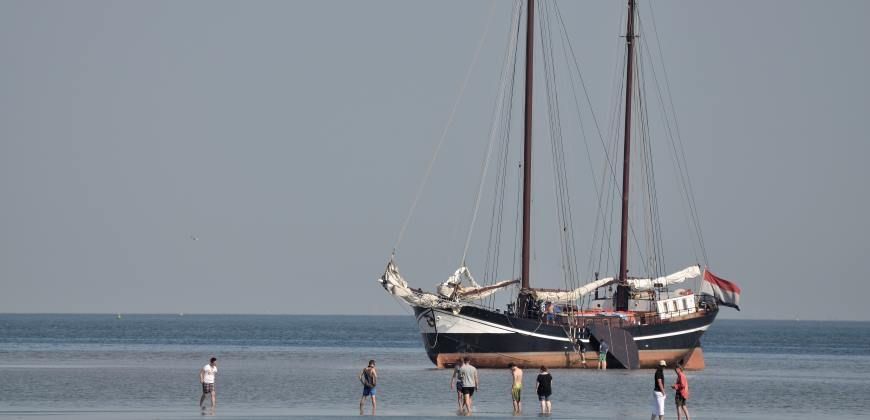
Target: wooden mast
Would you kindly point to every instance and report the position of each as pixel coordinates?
(622, 288)
(524, 299)
(527, 145)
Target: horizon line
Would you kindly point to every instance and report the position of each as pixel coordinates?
(350, 315)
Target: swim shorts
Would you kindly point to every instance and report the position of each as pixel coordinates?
(207, 388)
(468, 390)
(516, 392)
(368, 391)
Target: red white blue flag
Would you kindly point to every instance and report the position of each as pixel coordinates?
(725, 292)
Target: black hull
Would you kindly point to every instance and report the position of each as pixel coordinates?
(495, 339)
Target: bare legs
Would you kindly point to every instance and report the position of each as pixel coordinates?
(685, 411)
(213, 399)
(362, 405)
(213, 402)
(546, 407)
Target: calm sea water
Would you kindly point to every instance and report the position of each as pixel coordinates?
(146, 366)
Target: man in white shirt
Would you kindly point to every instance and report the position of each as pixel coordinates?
(206, 378)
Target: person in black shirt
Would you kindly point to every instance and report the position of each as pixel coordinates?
(544, 386)
(658, 400)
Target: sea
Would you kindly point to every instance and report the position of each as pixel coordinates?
(57, 366)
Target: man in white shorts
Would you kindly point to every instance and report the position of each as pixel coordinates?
(658, 400)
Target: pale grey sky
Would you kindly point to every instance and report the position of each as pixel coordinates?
(289, 138)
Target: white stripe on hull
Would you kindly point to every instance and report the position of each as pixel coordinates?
(449, 323)
(671, 334)
(446, 322)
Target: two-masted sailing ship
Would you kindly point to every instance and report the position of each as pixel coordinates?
(642, 318)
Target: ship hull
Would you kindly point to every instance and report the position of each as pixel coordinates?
(494, 339)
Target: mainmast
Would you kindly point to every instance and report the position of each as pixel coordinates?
(622, 288)
(527, 146)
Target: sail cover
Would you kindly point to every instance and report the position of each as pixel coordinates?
(665, 281)
(571, 295)
(452, 288)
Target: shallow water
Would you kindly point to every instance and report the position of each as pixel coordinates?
(146, 366)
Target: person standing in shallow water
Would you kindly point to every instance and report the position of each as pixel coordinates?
(603, 348)
(206, 378)
(682, 391)
(658, 400)
(516, 387)
(457, 377)
(544, 387)
(369, 379)
(470, 382)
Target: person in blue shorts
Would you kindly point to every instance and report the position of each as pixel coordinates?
(369, 379)
(549, 312)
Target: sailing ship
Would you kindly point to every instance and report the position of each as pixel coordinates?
(643, 319)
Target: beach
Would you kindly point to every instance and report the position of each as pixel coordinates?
(146, 366)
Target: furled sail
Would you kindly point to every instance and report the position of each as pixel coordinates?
(665, 281)
(452, 288)
(570, 295)
(393, 283)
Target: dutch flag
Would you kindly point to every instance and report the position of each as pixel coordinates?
(725, 292)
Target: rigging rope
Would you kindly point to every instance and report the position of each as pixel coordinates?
(655, 263)
(494, 129)
(686, 181)
(493, 252)
(446, 127)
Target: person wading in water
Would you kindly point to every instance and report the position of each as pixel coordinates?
(470, 382)
(658, 400)
(457, 376)
(206, 378)
(517, 387)
(682, 388)
(369, 379)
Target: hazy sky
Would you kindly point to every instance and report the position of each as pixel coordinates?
(289, 138)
